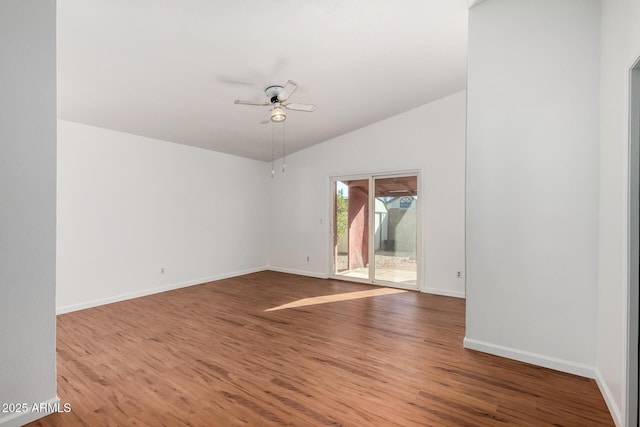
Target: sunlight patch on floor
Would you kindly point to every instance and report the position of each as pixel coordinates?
(323, 299)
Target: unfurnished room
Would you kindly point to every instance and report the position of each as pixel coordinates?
(323, 212)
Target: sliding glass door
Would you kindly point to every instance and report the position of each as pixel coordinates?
(351, 228)
(396, 230)
(375, 229)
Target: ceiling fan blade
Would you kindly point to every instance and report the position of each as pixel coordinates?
(242, 102)
(266, 119)
(300, 107)
(237, 82)
(287, 90)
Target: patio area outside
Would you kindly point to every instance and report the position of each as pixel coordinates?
(389, 267)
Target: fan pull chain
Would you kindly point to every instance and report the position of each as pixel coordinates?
(284, 151)
(273, 158)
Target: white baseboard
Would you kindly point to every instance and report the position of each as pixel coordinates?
(151, 291)
(298, 272)
(18, 419)
(532, 358)
(444, 292)
(609, 400)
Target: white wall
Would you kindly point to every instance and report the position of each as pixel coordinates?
(620, 48)
(129, 206)
(429, 138)
(28, 206)
(532, 181)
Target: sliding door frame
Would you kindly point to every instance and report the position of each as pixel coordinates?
(371, 177)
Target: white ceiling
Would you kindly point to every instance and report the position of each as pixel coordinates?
(170, 69)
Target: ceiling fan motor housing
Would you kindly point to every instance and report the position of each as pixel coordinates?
(272, 93)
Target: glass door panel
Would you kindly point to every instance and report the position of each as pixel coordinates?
(351, 228)
(395, 230)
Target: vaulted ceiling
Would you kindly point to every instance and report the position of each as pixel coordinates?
(171, 69)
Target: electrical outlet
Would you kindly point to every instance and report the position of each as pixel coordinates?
(459, 274)
(308, 258)
(162, 270)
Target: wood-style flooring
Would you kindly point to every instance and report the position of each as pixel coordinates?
(211, 355)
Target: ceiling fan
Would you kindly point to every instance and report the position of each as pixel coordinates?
(277, 97)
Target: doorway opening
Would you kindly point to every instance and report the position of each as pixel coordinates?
(376, 229)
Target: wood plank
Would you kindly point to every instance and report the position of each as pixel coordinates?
(212, 355)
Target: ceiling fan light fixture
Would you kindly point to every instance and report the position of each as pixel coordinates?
(278, 114)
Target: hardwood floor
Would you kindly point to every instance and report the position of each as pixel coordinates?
(210, 355)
